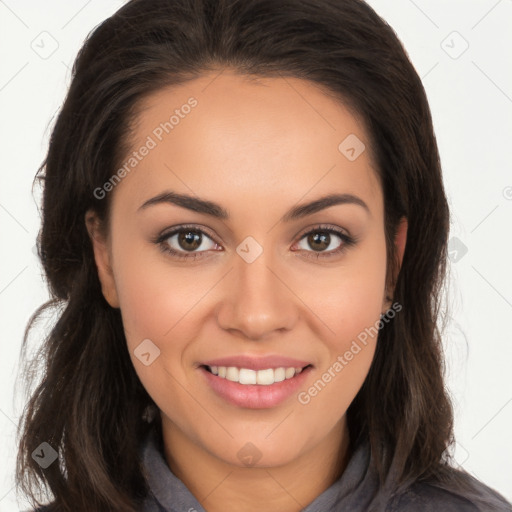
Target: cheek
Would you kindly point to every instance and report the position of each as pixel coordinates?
(349, 299)
(152, 295)
(157, 296)
(352, 314)
(154, 301)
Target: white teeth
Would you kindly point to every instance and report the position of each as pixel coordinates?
(247, 376)
(265, 377)
(280, 374)
(232, 373)
(290, 372)
(261, 377)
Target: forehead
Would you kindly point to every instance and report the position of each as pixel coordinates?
(231, 136)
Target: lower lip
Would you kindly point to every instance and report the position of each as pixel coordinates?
(254, 396)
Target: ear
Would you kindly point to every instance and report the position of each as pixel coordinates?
(400, 243)
(401, 240)
(102, 257)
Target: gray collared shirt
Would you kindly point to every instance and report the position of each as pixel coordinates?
(357, 490)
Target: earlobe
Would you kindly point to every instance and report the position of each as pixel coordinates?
(102, 257)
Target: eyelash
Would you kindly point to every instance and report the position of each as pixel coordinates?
(348, 241)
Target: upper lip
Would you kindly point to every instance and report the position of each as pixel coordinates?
(257, 363)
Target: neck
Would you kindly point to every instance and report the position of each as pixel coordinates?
(289, 487)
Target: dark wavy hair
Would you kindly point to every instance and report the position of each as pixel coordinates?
(88, 404)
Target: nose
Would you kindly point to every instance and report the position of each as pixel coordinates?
(257, 301)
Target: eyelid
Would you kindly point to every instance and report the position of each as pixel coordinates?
(347, 240)
(323, 226)
(168, 233)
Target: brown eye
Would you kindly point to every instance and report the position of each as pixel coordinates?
(185, 241)
(189, 240)
(319, 241)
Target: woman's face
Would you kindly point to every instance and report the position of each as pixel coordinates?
(256, 274)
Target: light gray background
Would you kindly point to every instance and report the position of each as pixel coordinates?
(470, 93)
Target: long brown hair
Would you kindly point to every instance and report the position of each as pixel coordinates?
(89, 403)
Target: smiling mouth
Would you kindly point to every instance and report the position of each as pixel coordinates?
(247, 376)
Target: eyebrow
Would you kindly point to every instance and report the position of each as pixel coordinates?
(206, 207)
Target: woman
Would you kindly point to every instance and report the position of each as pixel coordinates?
(245, 224)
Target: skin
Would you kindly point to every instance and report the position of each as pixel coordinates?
(258, 148)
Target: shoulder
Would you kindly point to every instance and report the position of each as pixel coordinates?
(428, 498)
(425, 497)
